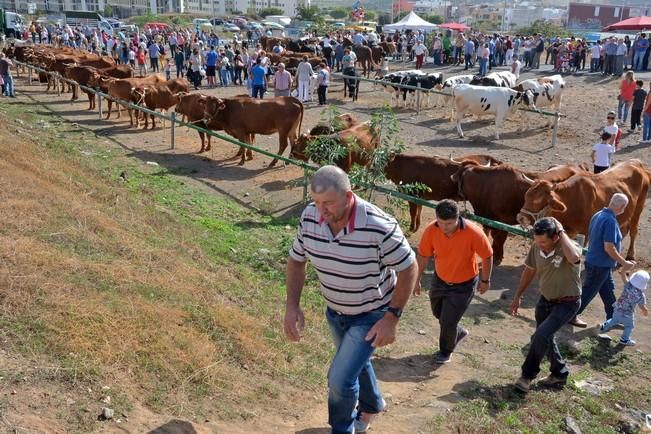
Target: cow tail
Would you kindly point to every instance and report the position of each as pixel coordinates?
(300, 122)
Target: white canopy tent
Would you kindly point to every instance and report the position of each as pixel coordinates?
(410, 22)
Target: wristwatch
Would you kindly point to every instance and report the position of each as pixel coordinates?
(395, 310)
(485, 281)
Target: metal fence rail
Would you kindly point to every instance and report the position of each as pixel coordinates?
(307, 168)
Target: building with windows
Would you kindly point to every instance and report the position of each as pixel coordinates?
(594, 17)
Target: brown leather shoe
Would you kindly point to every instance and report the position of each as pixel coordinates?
(577, 322)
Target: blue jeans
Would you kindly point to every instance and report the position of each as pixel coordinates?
(598, 280)
(9, 85)
(550, 318)
(622, 109)
(638, 59)
(646, 126)
(351, 377)
(483, 63)
(619, 317)
(224, 77)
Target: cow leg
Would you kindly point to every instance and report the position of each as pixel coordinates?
(634, 225)
(414, 214)
(459, 116)
(498, 124)
(91, 101)
(499, 238)
(282, 145)
(203, 138)
(110, 104)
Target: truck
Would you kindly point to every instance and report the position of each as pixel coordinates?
(279, 19)
(11, 24)
(92, 20)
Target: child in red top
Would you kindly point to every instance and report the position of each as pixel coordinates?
(626, 91)
(142, 67)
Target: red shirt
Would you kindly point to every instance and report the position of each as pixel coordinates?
(627, 89)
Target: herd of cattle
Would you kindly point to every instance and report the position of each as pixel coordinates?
(496, 190)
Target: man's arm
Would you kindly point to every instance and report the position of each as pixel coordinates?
(570, 251)
(383, 332)
(422, 262)
(525, 279)
(295, 279)
(485, 278)
(611, 250)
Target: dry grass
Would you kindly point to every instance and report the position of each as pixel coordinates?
(102, 281)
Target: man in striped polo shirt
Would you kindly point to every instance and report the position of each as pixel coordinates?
(366, 271)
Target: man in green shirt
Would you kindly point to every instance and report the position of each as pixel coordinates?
(556, 260)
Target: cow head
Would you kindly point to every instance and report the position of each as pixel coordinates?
(538, 201)
(298, 150)
(138, 94)
(212, 106)
(526, 98)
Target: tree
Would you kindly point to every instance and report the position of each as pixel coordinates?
(270, 11)
(433, 18)
(544, 27)
(339, 13)
(309, 13)
(108, 11)
(370, 15)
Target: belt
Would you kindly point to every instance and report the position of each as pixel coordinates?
(455, 284)
(568, 299)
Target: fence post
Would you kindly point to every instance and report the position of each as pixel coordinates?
(29, 75)
(304, 185)
(99, 102)
(555, 133)
(172, 130)
(418, 99)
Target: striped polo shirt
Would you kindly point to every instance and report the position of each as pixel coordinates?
(356, 267)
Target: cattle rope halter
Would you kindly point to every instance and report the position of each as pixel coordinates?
(535, 215)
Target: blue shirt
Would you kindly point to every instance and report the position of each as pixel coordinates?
(211, 58)
(642, 45)
(470, 47)
(611, 49)
(258, 73)
(603, 229)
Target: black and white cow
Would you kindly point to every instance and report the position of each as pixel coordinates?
(547, 92)
(426, 82)
(398, 77)
(450, 83)
(498, 79)
(480, 100)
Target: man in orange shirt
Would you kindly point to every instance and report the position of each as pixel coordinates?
(453, 242)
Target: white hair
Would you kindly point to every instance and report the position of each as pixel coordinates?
(618, 200)
(328, 177)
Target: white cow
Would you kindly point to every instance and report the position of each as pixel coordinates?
(499, 79)
(480, 100)
(547, 92)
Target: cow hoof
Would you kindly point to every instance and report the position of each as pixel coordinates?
(249, 157)
(241, 163)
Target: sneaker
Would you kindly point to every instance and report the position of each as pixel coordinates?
(628, 342)
(523, 384)
(604, 337)
(462, 335)
(440, 358)
(552, 380)
(577, 322)
(360, 426)
(601, 327)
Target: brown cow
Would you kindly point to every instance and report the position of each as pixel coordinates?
(244, 117)
(498, 192)
(82, 75)
(388, 47)
(341, 122)
(161, 96)
(574, 201)
(360, 137)
(433, 172)
(122, 89)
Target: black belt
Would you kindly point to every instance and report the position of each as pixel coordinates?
(455, 284)
(568, 299)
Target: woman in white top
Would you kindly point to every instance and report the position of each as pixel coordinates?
(601, 153)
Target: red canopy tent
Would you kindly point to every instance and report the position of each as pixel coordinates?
(636, 23)
(455, 26)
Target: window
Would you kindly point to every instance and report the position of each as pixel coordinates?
(596, 11)
(616, 13)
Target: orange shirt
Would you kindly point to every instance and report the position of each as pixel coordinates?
(627, 90)
(454, 257)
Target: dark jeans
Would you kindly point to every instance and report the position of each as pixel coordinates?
(153, 62)
(468, 59)
(599, 169)
(610, 64)
(448, 304)
(321, 91)
(550, 318)
(598, 280)
(636, 118)
(258, 89)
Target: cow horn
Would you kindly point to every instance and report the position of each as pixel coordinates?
(488, 164)
(529, 180)
(453, 160)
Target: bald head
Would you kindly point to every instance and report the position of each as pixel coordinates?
(328, 177)
(618, 203)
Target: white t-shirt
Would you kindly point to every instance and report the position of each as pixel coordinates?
(419, 50)
(602, 152)
(516, 68)
(612, 130)
(596, 51)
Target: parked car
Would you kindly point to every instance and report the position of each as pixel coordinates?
(229, 27)
(338, 24)
(216, 21)
(240, 22)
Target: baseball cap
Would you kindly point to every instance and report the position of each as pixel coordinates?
(639, 279)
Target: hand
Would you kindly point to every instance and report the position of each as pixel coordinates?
(383, 332)
(294, 323)
(628, 265)
(559, 225)
(515, 305)
(483, 287)
(416, 291)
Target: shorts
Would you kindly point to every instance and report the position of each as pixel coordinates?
(210, 71)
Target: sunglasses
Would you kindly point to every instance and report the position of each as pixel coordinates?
(610, 117)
